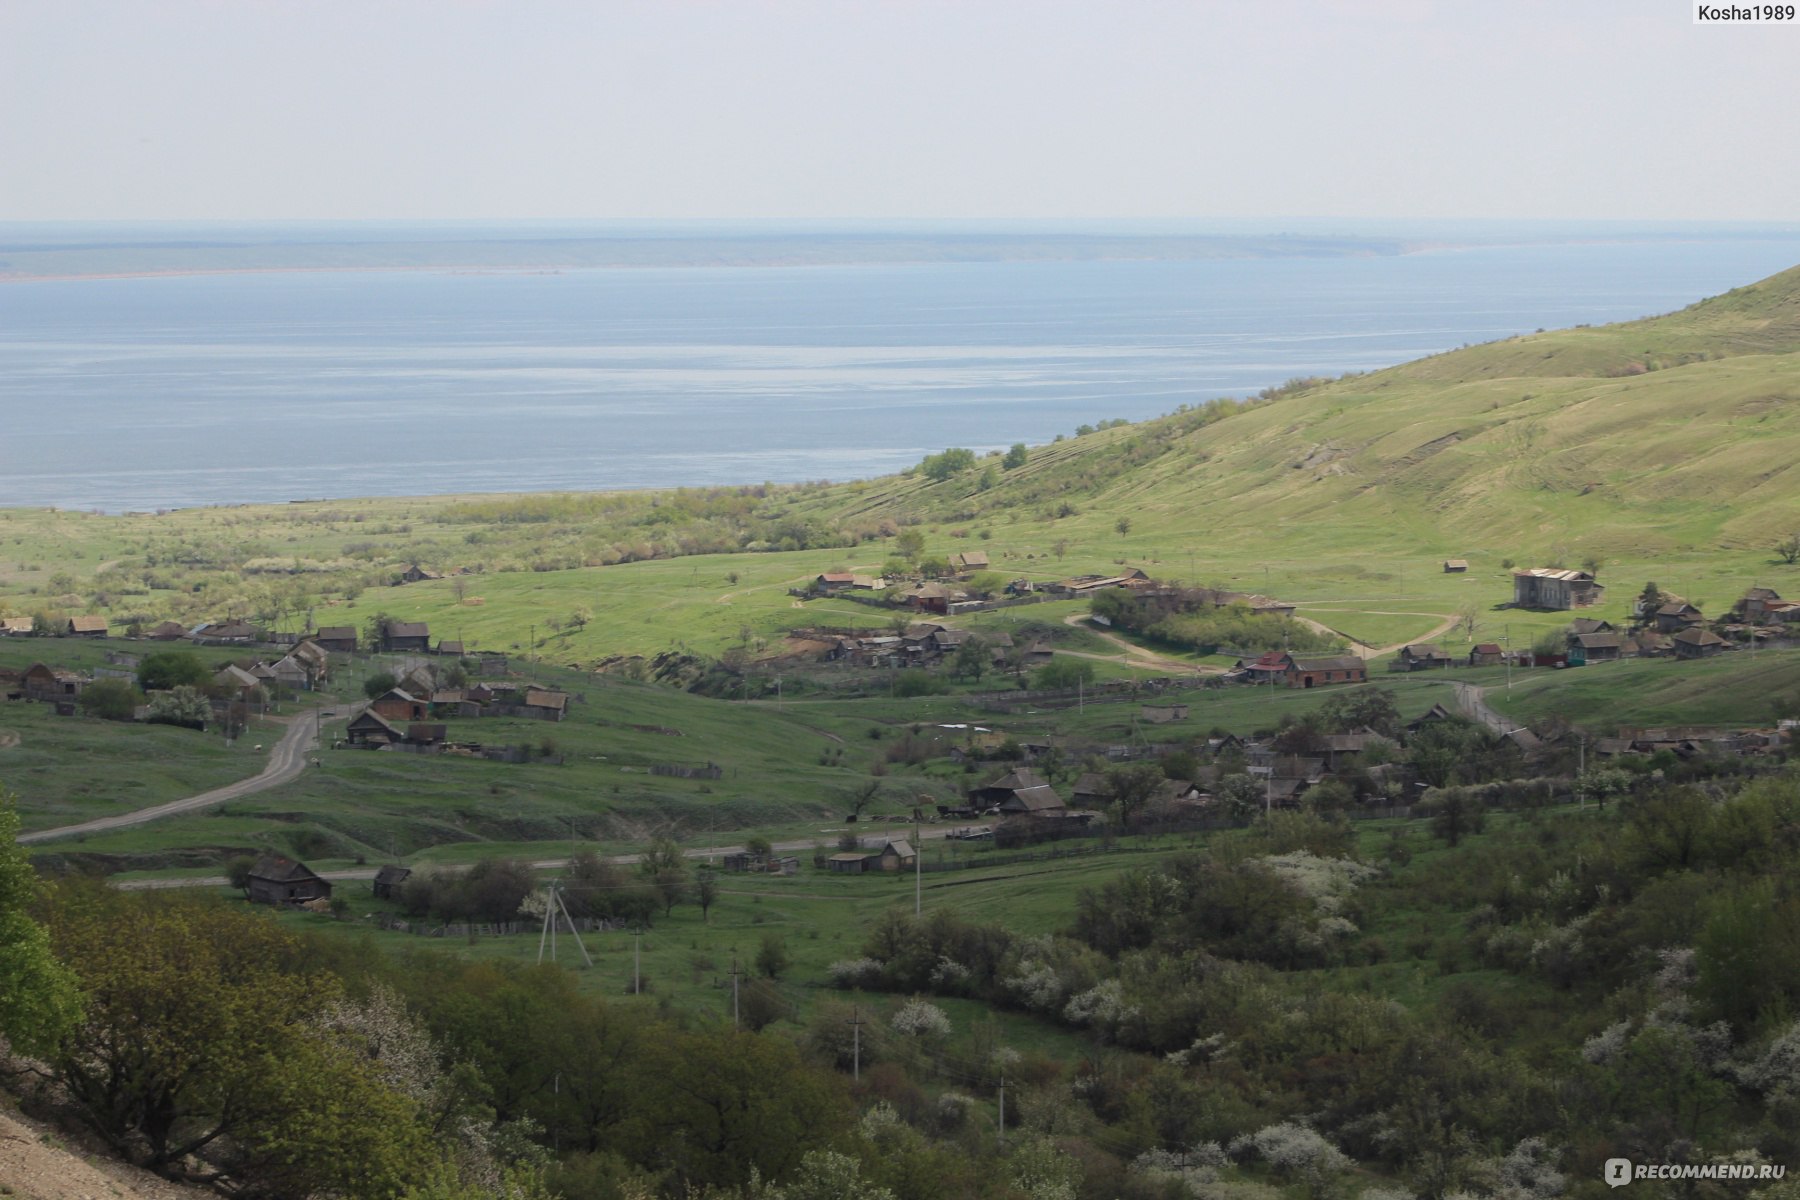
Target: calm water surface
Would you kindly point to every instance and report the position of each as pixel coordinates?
(143, 393)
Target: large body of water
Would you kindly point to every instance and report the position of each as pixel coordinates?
(122, 394)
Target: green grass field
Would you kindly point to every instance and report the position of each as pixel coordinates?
(1734, 689)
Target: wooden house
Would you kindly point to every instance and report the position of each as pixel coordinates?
(87, 627)
(407, 636)
(279, 880)
(1554, 588)
(1312, 672)
(1486, 654)
(1696, 642)
(1162, 714)
(50, 685)
(422, 733)
(835, 581)
(544, 705)
(237, 680)
(341, 638)
(453, 649)
(312, 656)
(388, 881)
(969, 561)
(1676, 616)
(397, 704)
(989, 795)
(1090, 791)
(1596, 647)
(15, 626)
(1037, 801)
(1756, 604)
(1422, 656)
(369, 728)
(416, 574)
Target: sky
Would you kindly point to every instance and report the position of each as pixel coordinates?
(892, 109)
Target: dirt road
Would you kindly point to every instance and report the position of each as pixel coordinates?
(1468, 698)
(1133, 656)
(286, 761)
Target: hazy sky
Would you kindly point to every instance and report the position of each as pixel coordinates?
(971, 108)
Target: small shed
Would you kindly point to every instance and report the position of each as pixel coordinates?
(1162, 714)
(388, 880)
(850, 862)
(368, 728)
(1455, 566)
(896, 856)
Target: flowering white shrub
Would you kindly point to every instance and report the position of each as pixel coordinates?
(948, 974)
(1680, 969)
(1529, 1173)
(1292, 1149)
(1037, 986)
(1103, 1005)
(1204, 1050)
(1608, 1044)
(919, 1018)
(1776, 1071)
(854, 973)
(1327, 882)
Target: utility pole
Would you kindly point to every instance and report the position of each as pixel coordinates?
(918, 871)
(1003, 1108)
(856, 1024)
(637, 962)
(735, 1023)
(554, 907)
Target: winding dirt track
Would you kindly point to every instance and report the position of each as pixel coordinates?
(286, 761)
(1133, 656)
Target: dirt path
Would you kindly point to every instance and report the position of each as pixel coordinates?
(1364, 650)
(1469, 699)
(286, 761)
(1135, 656)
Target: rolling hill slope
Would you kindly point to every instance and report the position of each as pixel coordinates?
(1670, 433)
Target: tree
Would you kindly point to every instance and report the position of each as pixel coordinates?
(939, 467)
(39, 1000)
(189, 1005)
(1130, 788)
(1123, 525)
(237, 873)
(183, 705)
(379, 684)
(665, 868)
(1789, 548)
(168, 669)
(706, 892)
(971, 660)
(1064, 673)
(909, 544)
(109, 699)
(772, 957)
(1242, 795)
(758, 845)
(1016, 457)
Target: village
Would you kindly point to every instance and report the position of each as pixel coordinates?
(1008, 790)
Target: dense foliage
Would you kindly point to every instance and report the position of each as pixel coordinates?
(1206, 620)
